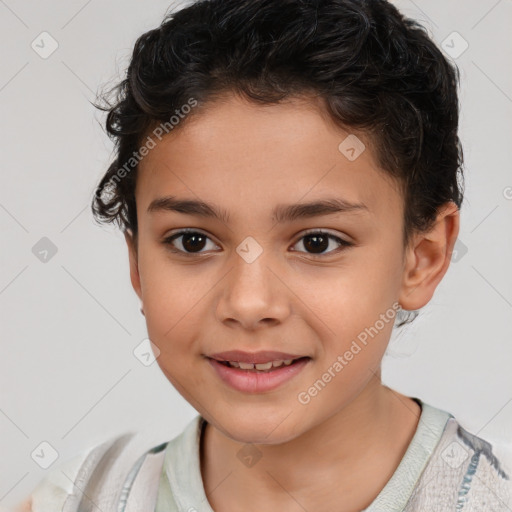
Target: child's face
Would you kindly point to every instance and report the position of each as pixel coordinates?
(293, 298)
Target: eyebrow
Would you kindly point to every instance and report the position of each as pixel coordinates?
(281, 213)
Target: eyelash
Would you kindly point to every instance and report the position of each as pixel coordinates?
(343, 243)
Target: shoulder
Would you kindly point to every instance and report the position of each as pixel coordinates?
(464, 472)
(99, 471)
(24, 506)
(53, 489)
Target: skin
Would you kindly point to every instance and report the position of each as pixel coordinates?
(24, 506)
(338, 451)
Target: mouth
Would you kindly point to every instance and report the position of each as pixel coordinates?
(267, 367)
(258, 377)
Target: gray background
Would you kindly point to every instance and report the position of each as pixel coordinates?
(69, 326)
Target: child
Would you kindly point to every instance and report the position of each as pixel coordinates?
(287, 179)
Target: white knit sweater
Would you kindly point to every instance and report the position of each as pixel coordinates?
(445, 468)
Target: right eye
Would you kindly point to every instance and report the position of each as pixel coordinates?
(192, 242)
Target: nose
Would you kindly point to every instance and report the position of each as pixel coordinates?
(254, 295)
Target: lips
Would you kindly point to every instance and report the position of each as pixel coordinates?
(263, 356)
(256, 381)
(270, 366)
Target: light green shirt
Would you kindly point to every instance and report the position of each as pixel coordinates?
(445, 468)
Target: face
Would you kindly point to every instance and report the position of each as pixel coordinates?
(307, 285)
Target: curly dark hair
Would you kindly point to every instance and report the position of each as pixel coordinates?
(374, 69)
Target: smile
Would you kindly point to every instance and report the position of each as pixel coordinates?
(258, 377)
(259, 366)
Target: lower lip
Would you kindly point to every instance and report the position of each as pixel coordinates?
(251, 381)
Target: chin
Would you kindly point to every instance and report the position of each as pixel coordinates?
(255, 428)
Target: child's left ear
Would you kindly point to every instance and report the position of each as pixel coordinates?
(427, 258)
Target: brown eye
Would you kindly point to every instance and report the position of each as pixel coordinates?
(317, 243)
(192, 242)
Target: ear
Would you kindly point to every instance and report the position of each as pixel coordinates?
(427, 258)
(134, 264)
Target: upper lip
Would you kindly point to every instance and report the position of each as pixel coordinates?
(263, 356)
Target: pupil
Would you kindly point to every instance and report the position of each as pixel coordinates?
(321, 242)
(195, 244)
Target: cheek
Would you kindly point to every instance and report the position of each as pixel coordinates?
(354, 303)
(375, 274)
(169, 290)
(173, 326)
(356, 291)
(170, 306)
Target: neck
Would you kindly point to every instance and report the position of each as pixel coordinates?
(346, 459)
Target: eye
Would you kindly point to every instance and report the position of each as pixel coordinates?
(318, 242)
(192, 243)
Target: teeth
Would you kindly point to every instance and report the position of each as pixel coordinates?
(245, 366)
(260, 366)
(264, 366)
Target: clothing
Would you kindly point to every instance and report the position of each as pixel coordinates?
(445, 468)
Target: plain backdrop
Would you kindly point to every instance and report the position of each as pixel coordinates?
(70, 324)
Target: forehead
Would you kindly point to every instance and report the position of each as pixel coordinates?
(244, 155)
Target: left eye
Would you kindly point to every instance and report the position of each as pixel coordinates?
(317, 241)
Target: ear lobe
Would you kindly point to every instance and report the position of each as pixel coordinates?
(428, 258)
(134, 264)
